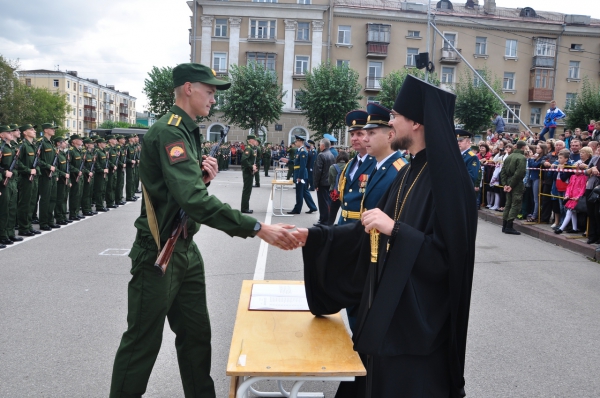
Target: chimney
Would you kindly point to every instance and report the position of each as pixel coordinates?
(489, 6)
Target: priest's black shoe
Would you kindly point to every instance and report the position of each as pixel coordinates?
(247, 211)
(48, 228)
(310, 211)
(5, 241)
(293, 212)
(35, 231)
(26, 233)
(15, 238)
(103, 209)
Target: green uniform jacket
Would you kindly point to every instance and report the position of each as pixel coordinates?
(513, 169)
(172, 177)
(47, 155)
(100, 161)
(26, 159)
(112, 157)
(266, 155)
(61, 167)
(76, 159)
(89, 159)
(8, 154)
(129, 154)
(248, 159)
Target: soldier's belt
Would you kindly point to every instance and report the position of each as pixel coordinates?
(296, 167)
(353, 215)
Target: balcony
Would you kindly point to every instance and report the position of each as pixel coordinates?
(373, 84)
(111, 101)
(262, 38)
(450, 56)
(540, 94)
(111, 112)
(221, 72)
(87, 94)
(123, 119)
(89, 119)
(377, 50)
(542, 62)
(93, 107)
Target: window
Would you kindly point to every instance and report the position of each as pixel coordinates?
(265, 59)
(303, 31)
(481, 45)
(447, 75)
(508, 117)
(296, 95)
(374, 74)
(410, 56)
(570, 99)
(220, 62)
(219, 99)
(67, 121)
(378, 33)
(544, 78)
(509, 81)
(301, 65)
(74, 86)
(68, 98)
(80, 99)
(221, 27)
(451, 37)
(414, 33)
(79, 112)
(545, 47)
(372, 100)
(476, 80)
(303, 1)
(68, 84)
(74, 114)
(74, 99)
(573, 69)
(261, 29)
(342, 62)
(344, 34)
(28, 82)
(576, 47)
(55, 83)
(80, 88)
(80, 125)
(511, 48)
(536, 116)
(264, 1)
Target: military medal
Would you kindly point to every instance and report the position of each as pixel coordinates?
(363, 178)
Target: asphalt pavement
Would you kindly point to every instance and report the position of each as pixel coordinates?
(533, 330)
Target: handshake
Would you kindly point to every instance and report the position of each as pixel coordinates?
(283, 236)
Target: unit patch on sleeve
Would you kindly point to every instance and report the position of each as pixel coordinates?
(176, 152)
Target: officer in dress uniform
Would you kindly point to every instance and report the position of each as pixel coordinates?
(266, 159)
(62, 184)
(111, 181)
(312, 156)
(300, 178)
(470, 157)
(363, 164)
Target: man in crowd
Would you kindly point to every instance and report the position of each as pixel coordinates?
(257, 158)
(267, 159)
(552, 115)
(62, 183)
(301, 179)
(499, 124)
(249, 168)
(120, 184)
(111, 180)
(321, 179)
(513, 172)
(28, 182)
(575, 148)
(470, 158)
(310, 164)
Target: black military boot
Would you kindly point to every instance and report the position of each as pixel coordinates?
(503, 225)
(510, 230)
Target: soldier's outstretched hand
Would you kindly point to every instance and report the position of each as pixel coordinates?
(279, 235)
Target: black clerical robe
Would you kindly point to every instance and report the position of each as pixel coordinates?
(413, 330)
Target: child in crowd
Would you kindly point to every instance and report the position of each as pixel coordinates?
(560, 186)
(575, 190)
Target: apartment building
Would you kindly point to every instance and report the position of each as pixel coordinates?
(538, 55)
(91, 103)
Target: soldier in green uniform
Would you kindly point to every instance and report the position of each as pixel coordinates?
(266, 158)
(47, 180)
(62, 185)
(28, 182)
(130, 169)
(100, 175)
(87, 177)
(77, 155)
(258, 152)
(136, 176)
(172, 176)
(111, 180)
(291, 155)
(248, 170)
(120, 171)
(14, 182)
(8, 191)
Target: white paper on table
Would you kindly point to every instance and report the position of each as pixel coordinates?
(267, 297)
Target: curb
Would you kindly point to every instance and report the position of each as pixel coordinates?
(576, 245)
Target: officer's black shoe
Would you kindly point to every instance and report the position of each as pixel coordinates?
(15, 238)
(80, 217)
(54, 226)
(293, 212)
(69, 221)
(6, 241)
(103, 209)
(112, 206)
(122, 203)
(94, 212)
(73, 218)
(35, 221)
(310, 211)
(35, 231)
(247, 211)
(26, 233)
(88, 213)
(46, 228)
(61, 223)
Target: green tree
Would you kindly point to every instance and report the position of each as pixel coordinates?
(254, 99)
(390, 84)
(159, 89)
(475, 103)
(110, 124)
(585, 106)
(8, 82)
(329, 93)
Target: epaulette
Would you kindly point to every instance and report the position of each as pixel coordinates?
(471, 153)
(398, 164)
(174, 120)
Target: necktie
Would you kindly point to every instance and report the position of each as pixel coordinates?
(359, 163)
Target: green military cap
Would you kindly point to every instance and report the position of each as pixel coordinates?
(131, 136)
(5, 129)
(193, 72)
(100, 140)
(27, 127)
(251, 137)
(48, 126)
(139, 135)
(57, 139)
(109, 137)
(13, 127)
(74, 137)
(87, 141)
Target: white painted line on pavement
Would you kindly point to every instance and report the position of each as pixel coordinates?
(261, 261)
(115, 252)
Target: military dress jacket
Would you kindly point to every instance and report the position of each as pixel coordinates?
(100, 161)
(473, 166)
(351, 193)
(171, 175)
(47, 155)
(27, 157)
(8, 153)
(248, 159)
(300, 163)
(381, 180)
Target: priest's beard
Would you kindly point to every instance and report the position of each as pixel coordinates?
(402, 143)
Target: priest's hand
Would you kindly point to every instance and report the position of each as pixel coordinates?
(301, 234)
(376, 219)
(278, 235)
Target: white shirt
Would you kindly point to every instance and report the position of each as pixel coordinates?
(355, 166)
(384, 160)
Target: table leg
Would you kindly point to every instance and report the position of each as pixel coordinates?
(246, 386)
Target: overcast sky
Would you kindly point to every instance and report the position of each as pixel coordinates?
(118, 42)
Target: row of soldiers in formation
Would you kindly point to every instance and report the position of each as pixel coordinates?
(53, 183)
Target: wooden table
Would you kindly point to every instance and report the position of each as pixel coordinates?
(281, 184)
(288, 345)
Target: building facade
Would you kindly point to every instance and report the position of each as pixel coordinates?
(91, 103)
(145, 118)
(538, 55)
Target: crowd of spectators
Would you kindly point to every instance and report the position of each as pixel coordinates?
(562, 182)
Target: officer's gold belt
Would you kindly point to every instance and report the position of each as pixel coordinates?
(353, 215)
(296, 167)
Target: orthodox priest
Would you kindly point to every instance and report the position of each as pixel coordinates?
(415, 251)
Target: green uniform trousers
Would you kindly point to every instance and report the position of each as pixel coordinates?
(129, 187)
(99, 189)
(247, 190)
(111, 184)
(12, 207)
(136, 178)
(86, 195)
(75, 195)
(47, 189)
(60, 209)
(266, 166)
(512, 208)
(290, 173)
(179, 296)
(257, 174)
(119, 185)
(25, 202)
(4, 201)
